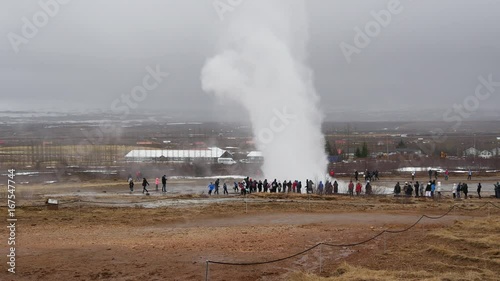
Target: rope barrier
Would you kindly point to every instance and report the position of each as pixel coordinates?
(494, 205)
(264, 262)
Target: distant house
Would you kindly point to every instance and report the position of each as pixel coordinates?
(210, 155)
(200, 144)
(408, 151)
(255, 156)
(486, 154)
(471, 151)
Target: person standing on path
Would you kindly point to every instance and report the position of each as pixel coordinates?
(358, 188)
(479, 190)
(497, 190)
(131, 185)
(397, 189)
(428, 188)
(368, 188)
(144, 184)
(320, 188)
(469, 175)
(211, 187)
(224, 186)
(157, 182)
(465, 189)
(216, 187)
(351, 188)
(164, 183)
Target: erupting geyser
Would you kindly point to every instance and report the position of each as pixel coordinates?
(262, 65)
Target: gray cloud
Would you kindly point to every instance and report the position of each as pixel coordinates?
(91, 52)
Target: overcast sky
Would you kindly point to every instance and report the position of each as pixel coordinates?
(91, 52)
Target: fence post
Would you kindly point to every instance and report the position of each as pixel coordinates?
(206, 271)
(246, 204)
(385, 241)
(320, 258)
(79, 212)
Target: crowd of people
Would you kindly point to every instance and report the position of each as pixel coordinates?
(368, 175)
(145, 183)
(430, 189)
(248, 186)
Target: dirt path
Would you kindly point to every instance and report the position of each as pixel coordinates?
(338, 219)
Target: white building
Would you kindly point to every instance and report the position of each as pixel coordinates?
(254, 157)
(486, 154)
(471, 151)
(210, 155)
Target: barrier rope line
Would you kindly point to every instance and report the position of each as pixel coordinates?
(355, 244)
(494, 205)
(350, 244)
(264, 262)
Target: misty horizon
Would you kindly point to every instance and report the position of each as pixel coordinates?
(412, 65)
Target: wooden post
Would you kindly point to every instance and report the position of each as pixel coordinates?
(79, 212)
(385, 242)
(206, 271)
(320, 258)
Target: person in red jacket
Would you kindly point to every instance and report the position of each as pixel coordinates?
(351, 188)
(358, 188)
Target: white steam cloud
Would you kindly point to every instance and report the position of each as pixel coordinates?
(262, 65)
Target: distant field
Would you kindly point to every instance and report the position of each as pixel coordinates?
(51, 155)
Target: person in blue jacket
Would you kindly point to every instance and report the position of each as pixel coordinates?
(211, 188)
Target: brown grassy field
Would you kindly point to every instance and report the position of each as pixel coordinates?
(466, 250)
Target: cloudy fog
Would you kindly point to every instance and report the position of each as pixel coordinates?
(86, 55)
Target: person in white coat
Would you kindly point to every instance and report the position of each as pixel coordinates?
(454, 190)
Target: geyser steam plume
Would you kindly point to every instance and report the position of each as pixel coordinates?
(261, 64)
